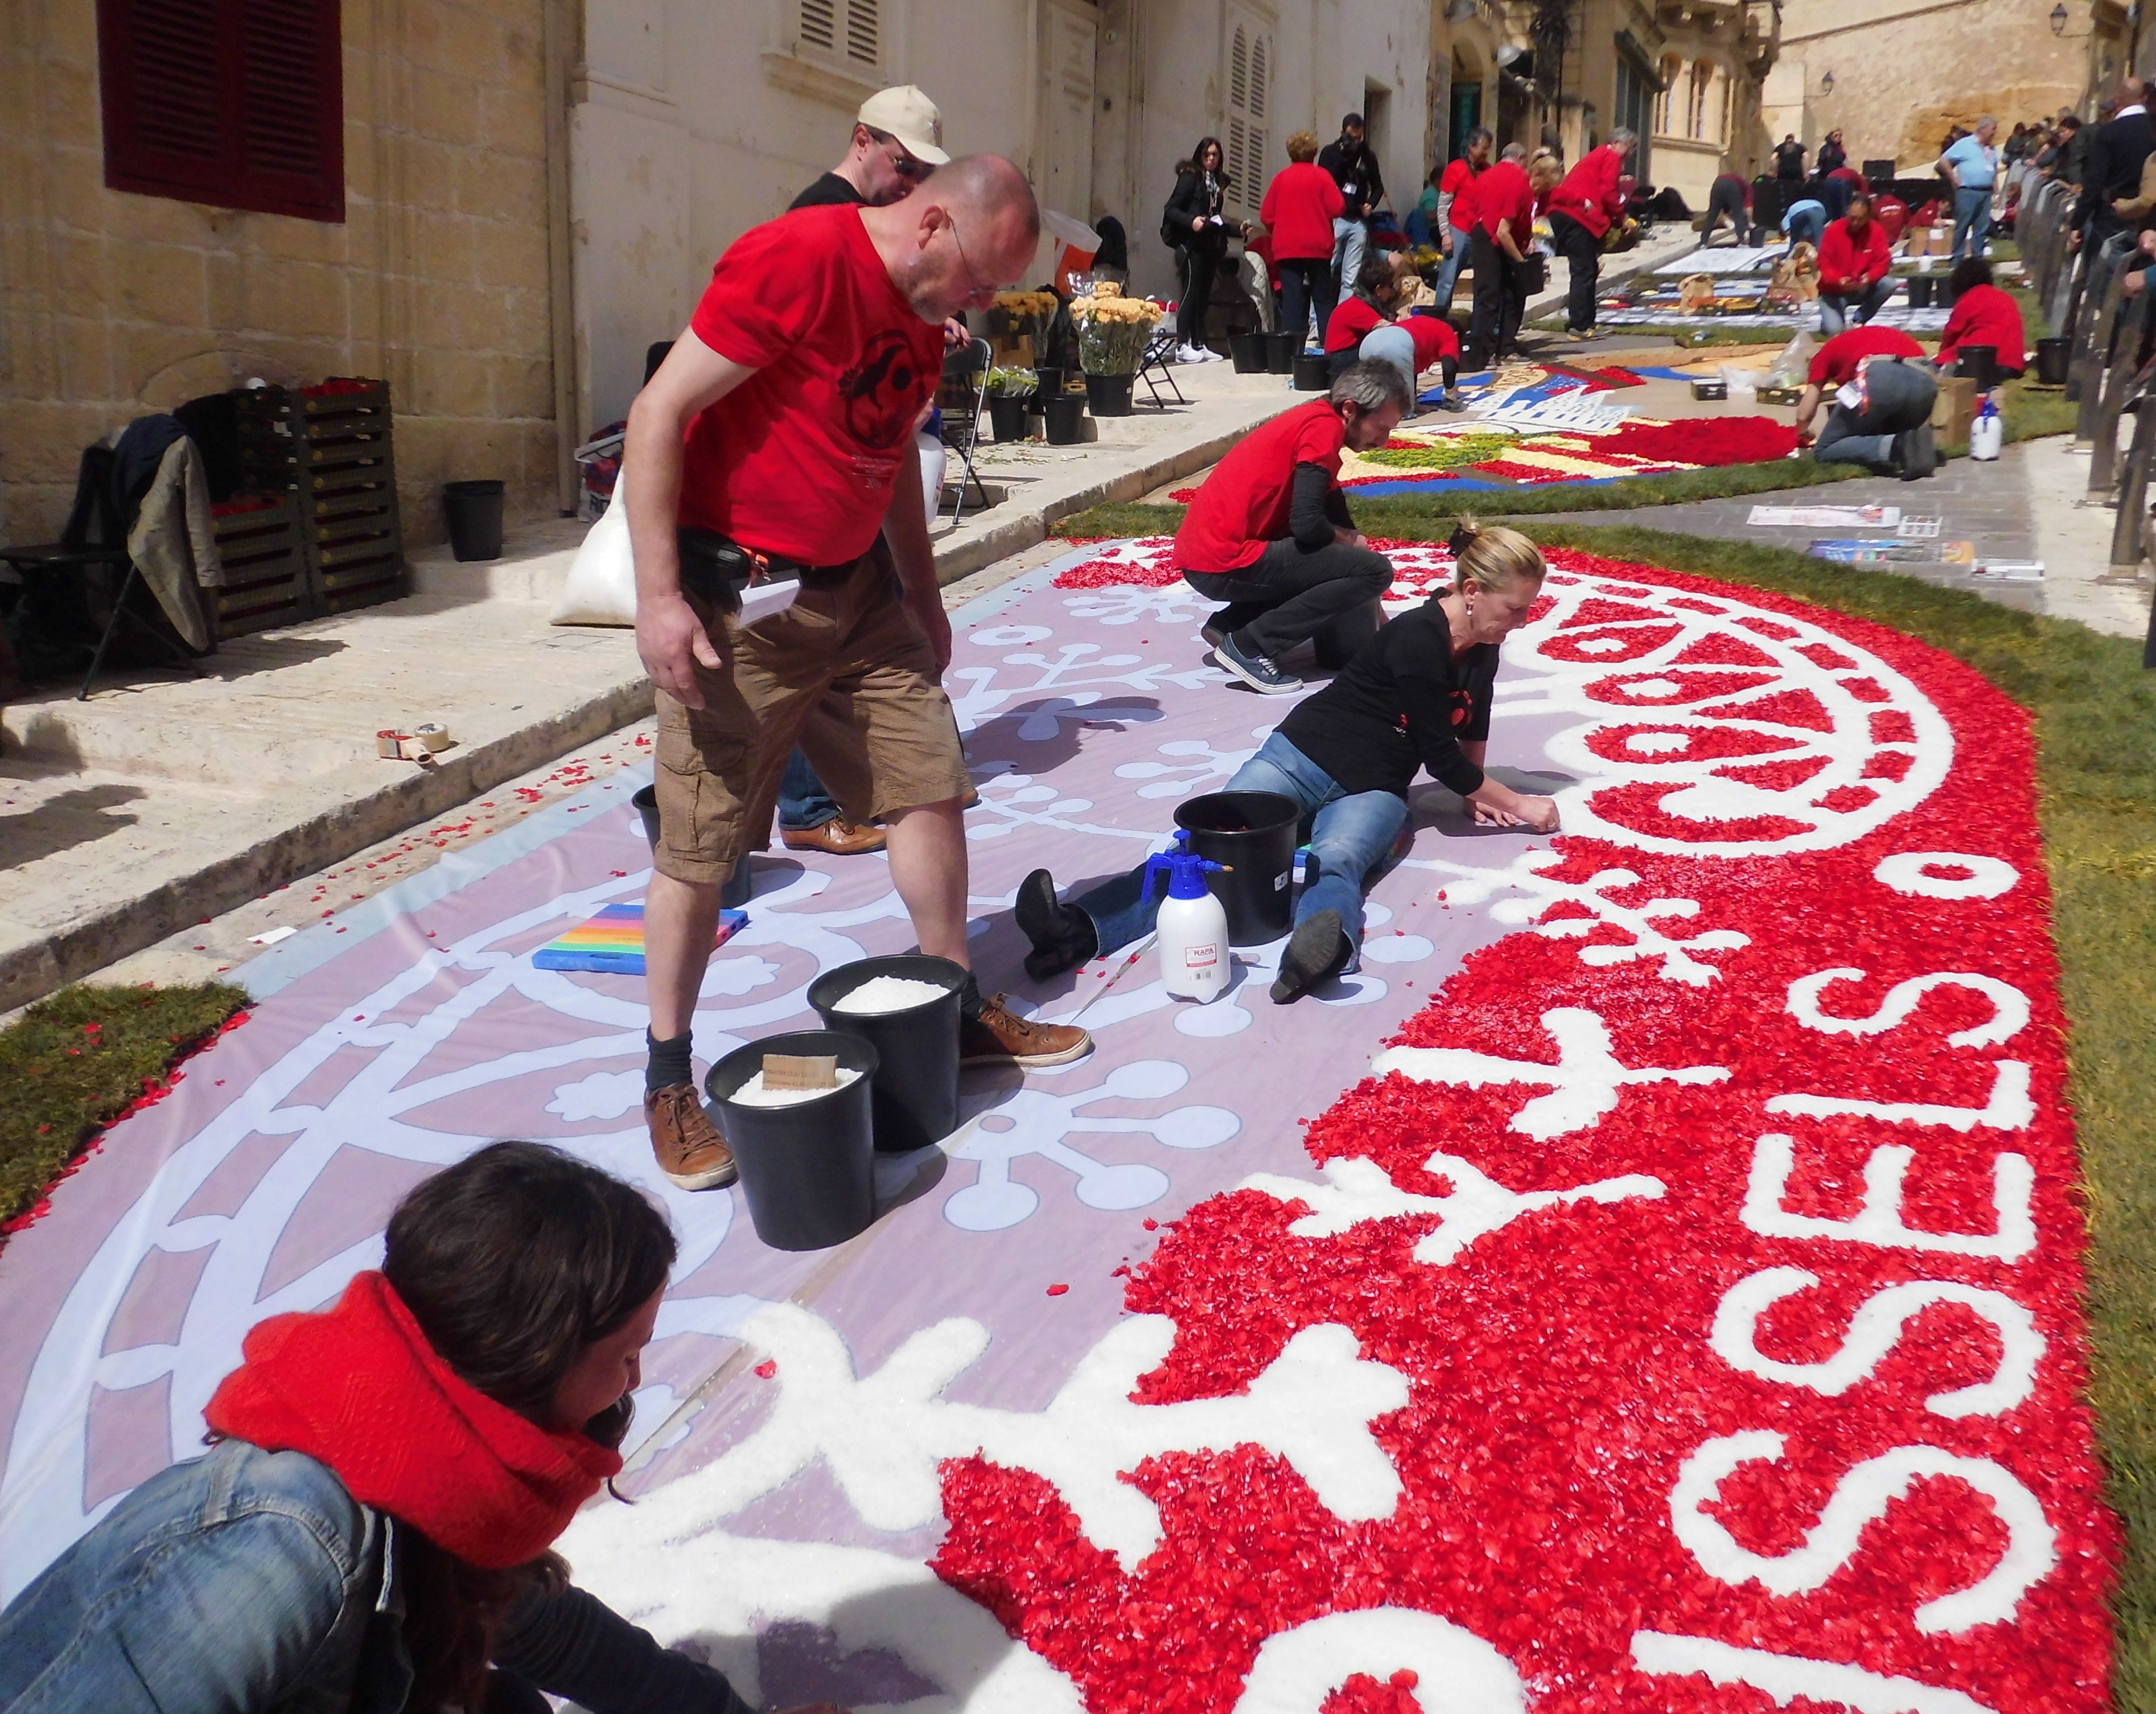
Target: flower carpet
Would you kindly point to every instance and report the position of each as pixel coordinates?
(1473, 456)
(1653, 1284)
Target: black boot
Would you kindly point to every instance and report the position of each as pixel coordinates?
(1318, 948)
(1062, 935)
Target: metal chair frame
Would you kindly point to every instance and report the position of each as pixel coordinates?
(975, 359)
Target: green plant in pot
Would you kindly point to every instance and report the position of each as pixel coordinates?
(1012, 383)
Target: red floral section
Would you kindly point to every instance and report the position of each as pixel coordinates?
(1560, 1368)
(1705, 440)
(1104, 573)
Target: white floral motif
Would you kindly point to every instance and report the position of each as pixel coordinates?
(1186, 778)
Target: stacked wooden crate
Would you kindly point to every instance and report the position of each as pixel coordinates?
(329, 446)
(265, 564)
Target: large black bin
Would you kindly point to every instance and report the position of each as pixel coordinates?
(808, 1169)
(917, 1080)
(1254, 833)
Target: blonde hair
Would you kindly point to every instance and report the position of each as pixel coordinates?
(1302, 146)
(1491, 558)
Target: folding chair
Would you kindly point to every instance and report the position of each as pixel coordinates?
(972, 361)
(1160, 355)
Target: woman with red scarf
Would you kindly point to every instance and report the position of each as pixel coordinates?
(370, 1531)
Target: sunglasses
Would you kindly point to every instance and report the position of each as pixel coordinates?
(905, 165)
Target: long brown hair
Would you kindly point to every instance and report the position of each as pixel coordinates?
(514, 1261)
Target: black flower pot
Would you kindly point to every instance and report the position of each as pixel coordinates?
(807, 1170)
(1007, 413)
(1279, 353)
(474, 512)
(2052, 357)
(1249, 351)
(1063, 411)
(1920, 291)
(1313, 372)
(1051, 381)
(1110, 395)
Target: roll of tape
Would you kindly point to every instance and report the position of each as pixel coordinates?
(434, 735)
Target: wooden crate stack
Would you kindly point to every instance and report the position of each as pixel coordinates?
(330, 447)
(265, 564)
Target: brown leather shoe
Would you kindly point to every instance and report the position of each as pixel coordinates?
(837, 838)
(1000, 1037)
(687, 1144)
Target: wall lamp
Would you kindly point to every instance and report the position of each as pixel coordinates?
(1826, 85)
(2059, 20)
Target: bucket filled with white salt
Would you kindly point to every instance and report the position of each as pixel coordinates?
(796, 1111)
(906, 1007)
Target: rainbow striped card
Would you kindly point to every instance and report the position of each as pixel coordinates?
(614, 941)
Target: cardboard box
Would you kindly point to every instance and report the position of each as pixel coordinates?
(1955, 410)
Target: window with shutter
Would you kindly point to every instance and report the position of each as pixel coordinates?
(1250, 64)
(236, 103)
(844, 32)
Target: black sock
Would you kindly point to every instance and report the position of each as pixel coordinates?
(668, 1064)
(970, 1003)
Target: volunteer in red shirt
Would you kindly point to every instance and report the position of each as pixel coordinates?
(1420, 342)
(1586, 205)
(777, 438)
(1504, 221)
(1270, 532)
(1455, 210)
(1298, 211)
(1883, 392)
(1372, 306)
(1853, 260)
(1982, 315)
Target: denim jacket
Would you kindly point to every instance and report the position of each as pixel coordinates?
(249, 1581)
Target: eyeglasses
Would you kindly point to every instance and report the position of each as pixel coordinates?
(972, 278)
(905, 165)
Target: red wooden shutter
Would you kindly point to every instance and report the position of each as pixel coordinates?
(236, 103)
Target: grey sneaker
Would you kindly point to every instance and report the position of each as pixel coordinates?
(1919, 452)
(1256, 670)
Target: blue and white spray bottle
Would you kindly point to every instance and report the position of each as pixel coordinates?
(1192, 925)
(1988, 432)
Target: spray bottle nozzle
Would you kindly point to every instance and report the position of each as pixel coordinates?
(1185, 869)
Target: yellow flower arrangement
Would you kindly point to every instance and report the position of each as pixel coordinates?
(1113, 329)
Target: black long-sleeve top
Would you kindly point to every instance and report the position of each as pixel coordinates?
(1354, 164)
(2116, 153)
(1406, 702)
(1197, 196)
(1315, 508)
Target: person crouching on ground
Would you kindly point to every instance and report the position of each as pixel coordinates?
(1373, 304)
(1854, 260)
(1984, 314)
(1269, 533)
(1413, 344)
(371, 1529)
(778, 434)
(1883, 394)
(1417, 696)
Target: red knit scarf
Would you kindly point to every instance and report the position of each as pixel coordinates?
(359, 1387)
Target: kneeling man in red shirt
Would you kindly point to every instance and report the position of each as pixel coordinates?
(1270, 532)
(1883, 394)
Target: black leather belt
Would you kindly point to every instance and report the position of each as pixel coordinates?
(716, 568)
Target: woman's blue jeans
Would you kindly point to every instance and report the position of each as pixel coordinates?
(1351, 834)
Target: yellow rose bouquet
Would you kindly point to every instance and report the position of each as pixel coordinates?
(1113, 330)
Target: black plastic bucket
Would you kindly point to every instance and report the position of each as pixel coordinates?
(1007, 412)
(1051, 383)
(1110, 395)
(1920, 291)
(1313, 372)
(739, 885)
(474, 511)
(1063, 413)
(2052, 357)
(1248, 350)
(1254, 833)
(807, 1170)
(916, 1081)
(1279, 353)
(1979, 363)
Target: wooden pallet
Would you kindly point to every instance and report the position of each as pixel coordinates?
(265, 566)
(334, 453)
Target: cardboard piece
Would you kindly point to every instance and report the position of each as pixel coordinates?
(1955, 411)
(800, 1071)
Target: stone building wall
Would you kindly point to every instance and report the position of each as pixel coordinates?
(117, 304)
(1905, 70)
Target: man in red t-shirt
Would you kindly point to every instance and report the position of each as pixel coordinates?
(1455, 210)
(777, 439)
(1884, 392)
(1586, 205)
(1270, 532)
(1854, 258)
(1504, 219)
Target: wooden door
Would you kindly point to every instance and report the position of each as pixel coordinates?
(1062, 166)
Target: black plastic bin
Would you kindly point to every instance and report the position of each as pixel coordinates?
(2052, 357)
(1248, 352)
(1313, 372)
(1063, 413)
(808, 1169)
(1920, 291)
(916, 1081)
(1254, 833)
(1980, 363)
(474, 511)
(1110, 395)
(1007, 412)
(1279, 353)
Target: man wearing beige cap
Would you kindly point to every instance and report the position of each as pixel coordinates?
(897, 142)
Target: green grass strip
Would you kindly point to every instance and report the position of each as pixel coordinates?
(2095, 711)
(73, 1062)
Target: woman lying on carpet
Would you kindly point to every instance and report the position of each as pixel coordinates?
(1417, 697)
(370, 1530)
